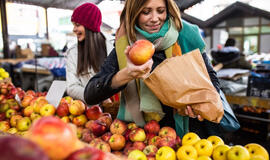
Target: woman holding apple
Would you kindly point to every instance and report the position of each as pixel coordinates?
(85, 58)
(159, 22)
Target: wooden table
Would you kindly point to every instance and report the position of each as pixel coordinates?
(14, 60)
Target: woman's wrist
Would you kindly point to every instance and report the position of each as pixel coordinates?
(121, 78)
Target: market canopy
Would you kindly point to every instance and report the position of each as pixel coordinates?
(71, 4)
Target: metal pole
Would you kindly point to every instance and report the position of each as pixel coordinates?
(4, 28)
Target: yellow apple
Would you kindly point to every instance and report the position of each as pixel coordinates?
(12, 130)
(23, 124)
(190, 138)
(47, 110)
(203, 158)
(187, 152)
(238, 152)
(38, 103)
(65, 119)
(77, 107)
(28, 111)
(13, 120)
(137, 155)
(204, 147)
(165, 152)
(255, 149)
(257, 157)
(215, 140)
(220, 152)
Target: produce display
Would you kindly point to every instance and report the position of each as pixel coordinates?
(74, 131)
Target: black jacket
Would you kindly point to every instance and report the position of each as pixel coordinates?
(99, 87)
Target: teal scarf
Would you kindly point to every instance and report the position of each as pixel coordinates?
(153, 36)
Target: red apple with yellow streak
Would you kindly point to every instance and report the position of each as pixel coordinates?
(13, 120)
(141, 51)
(93, 112)
(63, 109)
(117, 142)
(55, 137)
(77, 107)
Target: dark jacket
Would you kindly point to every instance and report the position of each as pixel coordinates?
(99, 87)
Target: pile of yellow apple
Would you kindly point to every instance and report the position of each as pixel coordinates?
(3, 74)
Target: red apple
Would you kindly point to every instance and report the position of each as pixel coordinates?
(150, 150)
(54, 136)
(26, 100)
(137, 134)
(2, 116)
(30, 92)
(167, 131)
(118, 127)
(101, 145)
(166, 141)
(63, 109)
(66, 99)
(154, 141)
(86, 154)
(27, 111)
(15, 147)
(93, 112)
(4, 126)
(106, 136)
(14, 119)
(150, 157)
(152, 127)
(178, 142)
(87, 136)
(138, 145)
(126, 134)
(98, 127)
(117, 142)
(107, 120)
(141, 51)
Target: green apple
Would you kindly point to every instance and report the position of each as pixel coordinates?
(238, 152)
(23, 124)
(10, 112)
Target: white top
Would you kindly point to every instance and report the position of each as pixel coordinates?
(76, 84)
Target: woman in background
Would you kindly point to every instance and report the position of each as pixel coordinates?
(85, 58)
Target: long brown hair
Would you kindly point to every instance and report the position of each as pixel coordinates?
(91, 52)
(133, 8)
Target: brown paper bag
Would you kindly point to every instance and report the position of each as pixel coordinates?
(183, 80)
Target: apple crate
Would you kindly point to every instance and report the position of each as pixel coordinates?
(113, 110)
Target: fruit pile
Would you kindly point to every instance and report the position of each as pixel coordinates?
(75, 130)
(3, 74)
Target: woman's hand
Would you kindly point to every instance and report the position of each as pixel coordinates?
(107, 103)
(134, 71)
(190, 113)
